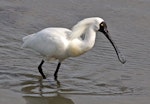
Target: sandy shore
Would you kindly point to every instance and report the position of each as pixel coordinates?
(9, 97)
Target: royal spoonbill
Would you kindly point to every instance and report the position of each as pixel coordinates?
(57, 43)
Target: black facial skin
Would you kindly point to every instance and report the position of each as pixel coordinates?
(103, 29)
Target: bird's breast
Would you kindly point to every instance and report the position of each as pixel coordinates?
(75, 50)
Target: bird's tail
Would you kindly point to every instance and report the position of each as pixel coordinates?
(26, 40)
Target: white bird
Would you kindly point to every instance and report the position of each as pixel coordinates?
(61, 43)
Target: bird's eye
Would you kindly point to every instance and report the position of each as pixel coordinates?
(102, 24)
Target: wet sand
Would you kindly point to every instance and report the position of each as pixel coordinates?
(96, 77)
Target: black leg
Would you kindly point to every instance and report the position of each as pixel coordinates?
(57, 69)
(40, 69)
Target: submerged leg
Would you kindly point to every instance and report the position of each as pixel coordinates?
(57, 69)
(40, 69)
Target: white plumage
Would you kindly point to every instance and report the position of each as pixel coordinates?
(50, 42)
(61, 43)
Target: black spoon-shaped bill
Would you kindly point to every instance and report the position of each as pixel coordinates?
(119, 54)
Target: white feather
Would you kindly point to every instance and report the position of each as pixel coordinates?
(80, 28)
(60, 43)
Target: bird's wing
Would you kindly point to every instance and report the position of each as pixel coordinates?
(48, 41)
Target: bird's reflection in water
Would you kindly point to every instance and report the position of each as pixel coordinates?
(47, 100)
(40, 93)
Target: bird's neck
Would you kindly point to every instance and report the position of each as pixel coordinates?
(89, 39)
(78, 47)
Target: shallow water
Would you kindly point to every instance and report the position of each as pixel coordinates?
(95, 77)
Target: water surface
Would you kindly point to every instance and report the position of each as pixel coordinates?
(95, 77)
